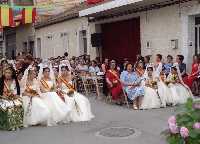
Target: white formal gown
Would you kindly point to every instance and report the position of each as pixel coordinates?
(165, 94)
(180, 93)
(79, 104)
(151, 99)
(35, 109)
(59, 111)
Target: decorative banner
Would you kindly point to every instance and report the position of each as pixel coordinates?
(6, 16)
(94, 1)
(28, 15)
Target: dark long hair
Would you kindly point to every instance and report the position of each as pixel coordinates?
(14, 77)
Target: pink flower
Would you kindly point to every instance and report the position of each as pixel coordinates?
(173, 128)
(172, 120)
(196, 125)
(184, 132)
(196, 106)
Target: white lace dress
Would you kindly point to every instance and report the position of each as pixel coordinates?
(35, 109)
(79, 104)
(165, 94)
(151, 99)
(59, 111)
(180, 93)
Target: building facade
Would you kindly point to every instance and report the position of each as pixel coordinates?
(66, 32)
(165, 27)
(17, 39)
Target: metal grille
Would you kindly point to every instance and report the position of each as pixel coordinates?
(117, 132)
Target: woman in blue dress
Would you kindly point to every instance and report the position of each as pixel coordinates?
(132, 86)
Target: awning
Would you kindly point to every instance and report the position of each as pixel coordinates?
(106, 6)
(126, 6)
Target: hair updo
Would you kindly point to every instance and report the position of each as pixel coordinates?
(65, 67)
(46, 68)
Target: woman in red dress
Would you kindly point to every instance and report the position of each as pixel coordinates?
(189, 80)
(114, 84)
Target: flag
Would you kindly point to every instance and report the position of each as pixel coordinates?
(94, 1)
(6, 16)
(28, 15)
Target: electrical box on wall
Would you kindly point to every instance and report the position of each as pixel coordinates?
(174, 43)
(148, 44)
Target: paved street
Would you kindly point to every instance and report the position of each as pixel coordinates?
(148, 125)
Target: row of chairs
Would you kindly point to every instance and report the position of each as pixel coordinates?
(94, 85)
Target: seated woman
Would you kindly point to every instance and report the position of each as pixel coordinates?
(82, 68)
(11, 115)
(164, 91)
(58, 109)
(94, 69)
(79, 104)
(180, 91)
(131, 83)
(151, 99)
(114, 84)
(190, 80)
(35, 110)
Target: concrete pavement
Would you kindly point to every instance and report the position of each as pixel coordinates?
(149, 124)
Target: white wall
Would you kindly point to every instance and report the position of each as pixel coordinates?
(55, 47)
(160, 26)
(23, 33)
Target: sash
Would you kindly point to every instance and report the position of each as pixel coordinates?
(114, 74)
(67, 84)
(7, 90)
(140, 72)
(45, 84)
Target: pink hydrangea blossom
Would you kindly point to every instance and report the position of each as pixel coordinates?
(196, 106)
(184, 132)
(196, 125)
(173, 128)
(172, 120)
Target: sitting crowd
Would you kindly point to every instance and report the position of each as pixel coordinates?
(44, 93)
(152, 85)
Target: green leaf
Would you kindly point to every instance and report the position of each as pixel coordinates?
(193, 134)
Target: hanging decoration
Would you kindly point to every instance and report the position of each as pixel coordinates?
(6, 17)
(28, 15)
(94, 1)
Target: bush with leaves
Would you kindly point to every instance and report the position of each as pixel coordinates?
(184, 128)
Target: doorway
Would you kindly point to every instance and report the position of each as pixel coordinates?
(121, 39)
(197, 35)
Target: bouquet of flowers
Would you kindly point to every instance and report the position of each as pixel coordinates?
(115, 82)
(174, 77)
(167, 82)
(52, 88)
(32, 92)
(184, 128)
(70, 92)
(153, 84)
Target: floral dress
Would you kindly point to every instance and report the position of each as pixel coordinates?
(133, 92)
(11, 110)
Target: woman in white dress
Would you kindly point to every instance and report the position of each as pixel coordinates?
(179, 90)
(164, 91)
(79, 104)
(151, 99)
(58, 109)
(35, 110)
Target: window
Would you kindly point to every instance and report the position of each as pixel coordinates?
(1, 49)
(197, 35)
(38, 47)
(25, 47)
(65, 41)
(83, 42)
(31, 48)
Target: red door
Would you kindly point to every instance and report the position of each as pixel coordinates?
(121, 39)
